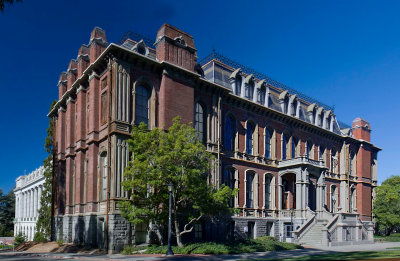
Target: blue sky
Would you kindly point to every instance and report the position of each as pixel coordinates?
(344, 53)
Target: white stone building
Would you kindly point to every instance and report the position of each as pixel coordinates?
(27, 202)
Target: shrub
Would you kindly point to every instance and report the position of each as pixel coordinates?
(19, 239)
(266, 238)
(247, 246)
(60, 242)
(40, 237)
(128, 250)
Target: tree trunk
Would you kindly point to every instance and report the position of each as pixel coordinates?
(178, 233)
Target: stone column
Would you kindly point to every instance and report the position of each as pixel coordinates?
(40, 195)
(34, 201)
(16, 207)
(279, 207)
(23, 206)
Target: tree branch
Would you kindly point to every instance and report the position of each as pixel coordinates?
(185, 230)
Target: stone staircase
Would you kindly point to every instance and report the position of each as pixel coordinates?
(313, 236)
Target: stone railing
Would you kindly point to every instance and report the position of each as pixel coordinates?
(346, 228)
(301, 161)
(299, 233)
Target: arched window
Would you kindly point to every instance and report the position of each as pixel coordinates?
(238, 85)
(267, 190)
(229, 133)
(103, 162)
(249, 90)
(294, 146)
(249, 189)
(142, 96)
(284, 146)
(229, 180)
(249, 138)
(268, 143)
(200, 122)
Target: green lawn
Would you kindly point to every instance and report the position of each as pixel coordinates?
(395, 237)
(257, 245)
(343, 256)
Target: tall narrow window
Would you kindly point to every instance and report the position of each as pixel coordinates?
(249, 138)
(284, 147)
(321, 153)
(308, 149)
(261, 95)
(333, 160)
(267, 144)
(294, 107)
(333, 199)
(142, 105)
(267, 187)
(229, 180)
(249, 90)
(294, 146)
(238, 85)
(229, 133)
(249, 189)
(103, 161)
(200, 122)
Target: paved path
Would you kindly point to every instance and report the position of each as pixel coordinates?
(279, 254)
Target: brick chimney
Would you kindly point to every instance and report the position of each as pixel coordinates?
(175, 46)
(97, 44)
(361, 129)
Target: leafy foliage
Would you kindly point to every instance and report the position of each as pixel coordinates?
(7, 213)
(174, 157)
(43, 224)
(387, 204)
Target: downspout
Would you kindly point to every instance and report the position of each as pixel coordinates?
(348, 176)
(53, 185)
(108, 153)
(219, 139)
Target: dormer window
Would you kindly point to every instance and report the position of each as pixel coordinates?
(141, 50)
(249, 90)
(238, 85)
(261, 95)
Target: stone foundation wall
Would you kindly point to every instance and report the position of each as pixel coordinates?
(89, 230)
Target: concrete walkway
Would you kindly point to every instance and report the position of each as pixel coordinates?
(278, 254)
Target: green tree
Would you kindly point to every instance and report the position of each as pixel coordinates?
(43, 224)
(7, 213)
(178, 157)
(387, 204)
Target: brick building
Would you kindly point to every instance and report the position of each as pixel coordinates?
(288, 155)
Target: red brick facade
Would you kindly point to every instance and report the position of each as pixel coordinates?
(96, 108)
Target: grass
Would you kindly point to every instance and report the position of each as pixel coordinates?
(256, 245)
(395, 237)
(342, 256)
